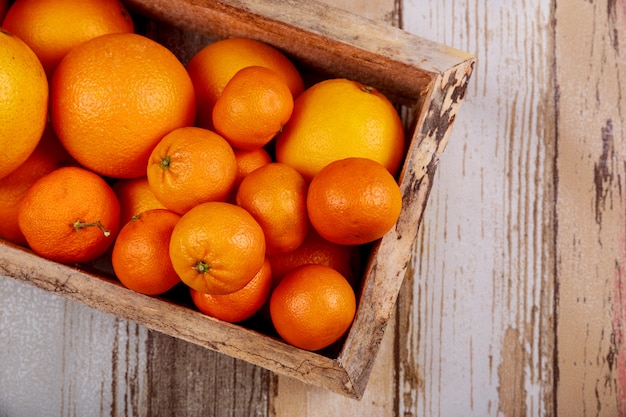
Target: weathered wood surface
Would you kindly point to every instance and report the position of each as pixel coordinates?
(516, 305)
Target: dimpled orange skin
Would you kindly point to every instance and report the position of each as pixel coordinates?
(239, 305)
(353, 201)
(189, 166)
(214, 65)
(275, 195)
(135, 196)
(312, 307)
(23, 102)
(58, 215)
(217, 248)
(114, 97)
(53, 28)
(339, 118)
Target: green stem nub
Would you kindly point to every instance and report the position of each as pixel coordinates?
(78, 225)
(202, 267)
(165, 163)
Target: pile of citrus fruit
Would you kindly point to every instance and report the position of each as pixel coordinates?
(226, 175)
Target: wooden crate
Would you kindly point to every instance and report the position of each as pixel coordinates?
(427, 78)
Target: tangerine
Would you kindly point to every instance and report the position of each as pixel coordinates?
(69, 215)
(340, 118)
(275, 195)
(23, 102)
(135, 196)
(353, 201)
(189, 166)
(214, 65)
(239, 305)
(253, 107)
(53, 28)
(140, 255)
(312, 307)
(217, 248)
(248, 161)
(114, 97)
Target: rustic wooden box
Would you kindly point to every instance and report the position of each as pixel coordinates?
(427, 78)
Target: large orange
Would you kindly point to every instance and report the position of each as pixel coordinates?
(339, 118)
(53, 28)
(189, 166)
(23, 102)
(214, 65)
(239, 305)
(217, 248)
(114, 97)
(135, 196)
(140, 255)
(253, 107)
(70, 215)
(47, 156)
(312, 307)
(353, 201)
(275, 195)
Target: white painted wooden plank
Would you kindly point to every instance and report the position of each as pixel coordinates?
(478, 325)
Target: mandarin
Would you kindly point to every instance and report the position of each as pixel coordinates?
(353, 201)
(253, 107)
(135, 196)
(140, 255)
(217, 248)
(189, 166)
(239, 305)
(213, 66)
(312, 307)
(47, 156)
(114, 97)
(275, 195)
(53, 28)
(248, 161)
(70, 215)
(340, 118)
(23, 102)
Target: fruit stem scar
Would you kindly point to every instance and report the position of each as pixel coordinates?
(367, 88)
(78, 225)
(165, 163)
(201, 267)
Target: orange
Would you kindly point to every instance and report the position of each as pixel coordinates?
(248, 161)
(135, 196)
(253, 107)
(353, 201)
(140, 255)
(275, 195)
(189, 166)
(214, 65)
(114, 97)
(47, 156)
(312, 307)
(23, 102)
(316, 250)
(217, 248)
(239, 305)
(53, 28)
(70, 215)
(339, 118)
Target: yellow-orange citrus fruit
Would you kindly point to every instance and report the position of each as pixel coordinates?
(135, 196)
(23, 102)
(189, 166)
(217, 248)
(317, 250)
(239, 305)
(70, 215)
(339, 118)
(140, 255)
(275, 194)
(353, 201)
(312, 307)
(254, 106)
(114, 97)
(47, 156)
(53, 28)
(214, 65)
